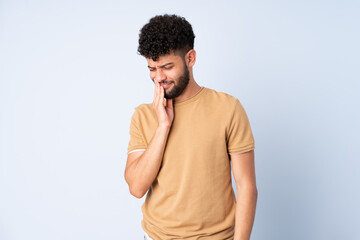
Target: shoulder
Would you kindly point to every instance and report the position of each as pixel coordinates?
(221, 98)
(143, 110)
(145, 107)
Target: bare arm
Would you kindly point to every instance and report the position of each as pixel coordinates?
(244, 174)
(143, 167)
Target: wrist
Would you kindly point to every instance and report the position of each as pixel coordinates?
(164, 126)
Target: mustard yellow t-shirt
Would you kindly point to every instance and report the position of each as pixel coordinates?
(192, 196)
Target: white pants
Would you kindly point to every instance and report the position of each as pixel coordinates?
(146, 237)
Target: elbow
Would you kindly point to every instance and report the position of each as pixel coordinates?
(255, 193)
(136, 192)
(249, 188)
(135, 188)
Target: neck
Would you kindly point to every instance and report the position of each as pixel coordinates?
(191, 89)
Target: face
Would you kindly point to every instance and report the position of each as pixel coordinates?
(171, 72)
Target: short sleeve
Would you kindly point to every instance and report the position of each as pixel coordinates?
(136, 141)
(239, 135)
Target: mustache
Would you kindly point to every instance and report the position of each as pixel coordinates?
(163, 81)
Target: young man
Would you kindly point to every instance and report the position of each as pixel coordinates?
(182, 146)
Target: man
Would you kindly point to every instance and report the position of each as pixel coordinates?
(182, 146)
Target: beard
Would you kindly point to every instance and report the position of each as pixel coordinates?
(180, 85)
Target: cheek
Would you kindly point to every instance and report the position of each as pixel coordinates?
(173, 75)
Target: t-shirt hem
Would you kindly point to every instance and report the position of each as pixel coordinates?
(156, 234)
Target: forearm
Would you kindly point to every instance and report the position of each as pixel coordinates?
(245, 212)
(144, 170)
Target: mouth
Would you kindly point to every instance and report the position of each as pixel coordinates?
(165, 85)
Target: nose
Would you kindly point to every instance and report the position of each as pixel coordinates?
(159, 76)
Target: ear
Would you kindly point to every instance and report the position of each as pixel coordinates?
(190, 58)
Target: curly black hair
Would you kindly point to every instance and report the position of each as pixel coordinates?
(165, 33)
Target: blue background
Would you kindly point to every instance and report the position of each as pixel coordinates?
(70, 78)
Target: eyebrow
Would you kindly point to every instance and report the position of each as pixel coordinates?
(163, 65)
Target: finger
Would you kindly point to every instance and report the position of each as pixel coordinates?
(156, 97)
(155, 89)
(162, 95)
(159, 97)
(169, 104)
